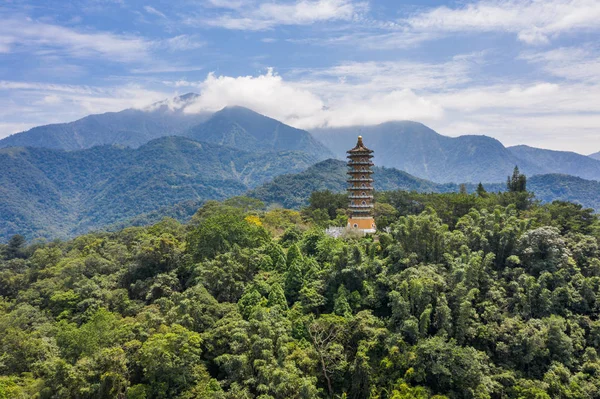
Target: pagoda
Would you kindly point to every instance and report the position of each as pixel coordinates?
(360, 188)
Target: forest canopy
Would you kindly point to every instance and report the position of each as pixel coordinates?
(458, 296)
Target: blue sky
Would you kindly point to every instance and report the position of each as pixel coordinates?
(524, 72)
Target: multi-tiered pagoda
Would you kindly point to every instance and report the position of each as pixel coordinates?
(360, 188)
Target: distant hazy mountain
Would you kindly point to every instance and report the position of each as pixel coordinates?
(235, 127)
(56, 193)
(131, 127)
(293, 190)
(245, 129)
(417, 149)
(562, 162)
(595, 155)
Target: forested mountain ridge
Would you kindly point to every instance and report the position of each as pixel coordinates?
(56, 193)
(562, 162)
(293, 190)
(130, 127)
(245, 129)
(422, 152)
(468, 296)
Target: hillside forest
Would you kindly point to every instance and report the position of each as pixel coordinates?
(481, 295)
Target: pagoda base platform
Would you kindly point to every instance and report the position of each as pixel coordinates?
(365, 224)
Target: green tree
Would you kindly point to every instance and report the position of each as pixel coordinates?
(517, 183)
(171, 361)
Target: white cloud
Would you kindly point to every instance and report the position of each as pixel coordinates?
(267, 94)
(393, 75)
(292, 103)
(572, 63)
(54, 38)
(154, 11)
(231, 4)
(58, 41)
(441, 95)
(183, 43)
(44, 103)
(247, 16)
(534, 21)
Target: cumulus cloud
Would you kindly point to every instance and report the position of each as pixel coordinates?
(294, 104)
(267, 94)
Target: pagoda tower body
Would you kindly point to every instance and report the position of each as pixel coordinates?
(360, 188)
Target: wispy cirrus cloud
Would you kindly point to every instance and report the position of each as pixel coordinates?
(154, 11)
(571, 63)
(266, 15)
(25, 34)
(35, 37)
(533, 21)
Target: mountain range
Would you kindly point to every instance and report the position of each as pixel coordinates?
(404, 145)
(293, 190)
(135, 165)
(422, 152)
(236, 127)
(595, 155)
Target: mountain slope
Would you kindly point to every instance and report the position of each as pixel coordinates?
(595, 155)
(293, 190)
(566, 188)
(131, 127)
(56, 193)
(420, 151)
(562, 162)
(245, 129)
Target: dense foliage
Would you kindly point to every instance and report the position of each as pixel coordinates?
(465, 296)
(54, 193)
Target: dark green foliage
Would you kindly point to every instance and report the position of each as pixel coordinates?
(220, 230)
(467, 296)
(517, 183)
(481, 192)
(327, 201)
